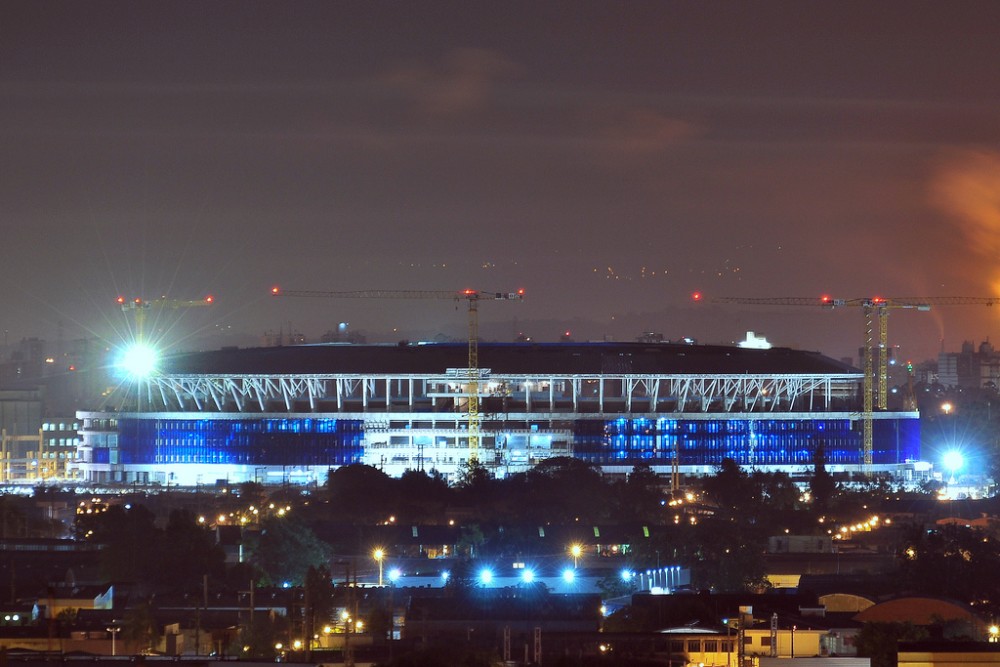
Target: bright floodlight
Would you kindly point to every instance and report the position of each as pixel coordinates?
(953, 460)
(568, 575)
(627, 575)
(486, 577)
(528, 576)
(139, 360)
(395, 573)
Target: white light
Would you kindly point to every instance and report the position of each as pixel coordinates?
(627, 575)
(486, 577)
(139, 360)
(445, 575)
(953, 460)
(568, 575)
(394, 574)
(528, 576)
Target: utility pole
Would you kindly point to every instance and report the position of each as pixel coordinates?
(348, 653)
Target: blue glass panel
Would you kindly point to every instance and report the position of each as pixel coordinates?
(289, 442)
(748, 442)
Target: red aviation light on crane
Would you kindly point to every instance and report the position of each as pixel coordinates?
(878, 299)
(275, 290)
(469, 292)
(121, 300)
(696, 296)
(825, 299)
(209, 299)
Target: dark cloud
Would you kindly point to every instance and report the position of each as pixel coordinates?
(464, 80)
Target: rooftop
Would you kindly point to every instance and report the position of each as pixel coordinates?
(506, 358)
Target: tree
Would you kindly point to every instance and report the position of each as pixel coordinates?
(729, 557)
(426, 495)
(139, 627)
(188, 553)
(639, 496)
(379, 623)
(564, 489)
(822, 486)
(879, 641)
(777, 490)
(951, 561)
(361, 494)
(319, 592)
(12, 520)
(132, 542)
(470, 540)
(730, 488)
(258, 640)
(252, 493)
(285, 550)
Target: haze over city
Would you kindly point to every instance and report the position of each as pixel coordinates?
(608, 159)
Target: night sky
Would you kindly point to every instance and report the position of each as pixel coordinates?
(610, 158)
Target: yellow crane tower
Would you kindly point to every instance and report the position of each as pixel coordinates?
(472, 297)
(876, 313)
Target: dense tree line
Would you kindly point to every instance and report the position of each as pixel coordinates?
(720, 535)
(175, 557)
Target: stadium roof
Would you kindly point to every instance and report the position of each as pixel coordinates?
(506, 358)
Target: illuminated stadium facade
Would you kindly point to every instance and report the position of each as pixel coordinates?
(291, 414)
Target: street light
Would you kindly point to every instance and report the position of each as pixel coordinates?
(378, 555)
(114, 630)
(575, 550)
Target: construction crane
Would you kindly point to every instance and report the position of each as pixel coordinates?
(876, 313)
(141, 307)
(472, 297)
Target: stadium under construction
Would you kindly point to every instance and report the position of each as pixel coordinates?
(291, 414)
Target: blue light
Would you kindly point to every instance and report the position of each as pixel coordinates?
(627, 575)
(394, 574)
(528, 576)
(486, 577)
(569, 575)
(445, 575)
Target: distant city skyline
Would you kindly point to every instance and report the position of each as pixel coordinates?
(610, 160)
